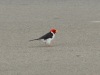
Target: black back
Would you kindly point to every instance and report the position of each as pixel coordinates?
(46, 36)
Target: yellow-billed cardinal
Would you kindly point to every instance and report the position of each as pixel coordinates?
(48, 37)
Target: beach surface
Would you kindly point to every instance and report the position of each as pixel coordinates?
(75, 49)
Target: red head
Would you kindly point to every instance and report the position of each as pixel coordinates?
(53, 30)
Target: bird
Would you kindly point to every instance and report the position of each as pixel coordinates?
(48, 37)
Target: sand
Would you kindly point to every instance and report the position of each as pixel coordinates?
(75, 49)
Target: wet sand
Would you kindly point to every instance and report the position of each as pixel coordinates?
(75, 50)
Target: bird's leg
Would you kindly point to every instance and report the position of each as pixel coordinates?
(48, 44)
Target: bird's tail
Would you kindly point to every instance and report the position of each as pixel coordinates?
(33, 39)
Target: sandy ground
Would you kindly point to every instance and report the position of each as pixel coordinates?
(75, 50)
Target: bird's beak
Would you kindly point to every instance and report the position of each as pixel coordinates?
(56, 30)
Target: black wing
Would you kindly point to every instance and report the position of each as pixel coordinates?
(46, 36)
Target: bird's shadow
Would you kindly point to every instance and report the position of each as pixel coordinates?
(48, 46)
(40, 46)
